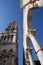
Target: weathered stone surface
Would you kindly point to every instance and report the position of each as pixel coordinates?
(9, 45)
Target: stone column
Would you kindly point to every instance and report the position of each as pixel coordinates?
(10, 40)
(14, 61)
(6, 61)
(37, 46)
(29, 50)
(25, 29)
(14, 38)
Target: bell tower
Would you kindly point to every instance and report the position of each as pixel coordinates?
(28, 6)
(9, 45)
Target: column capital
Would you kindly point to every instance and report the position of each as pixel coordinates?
(29, 50)
(31, 32)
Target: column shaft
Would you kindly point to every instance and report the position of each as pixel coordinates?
(37, 47)
(13, 62)
(31, 60)
(14, 38)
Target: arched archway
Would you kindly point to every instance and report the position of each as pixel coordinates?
(29, 19)
(28, 7)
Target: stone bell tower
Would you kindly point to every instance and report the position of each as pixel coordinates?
(28, 33)
(9, 45)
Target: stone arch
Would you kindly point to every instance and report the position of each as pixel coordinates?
(29, 17)
(29, 23)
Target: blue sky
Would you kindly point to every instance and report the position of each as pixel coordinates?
(10, 11)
